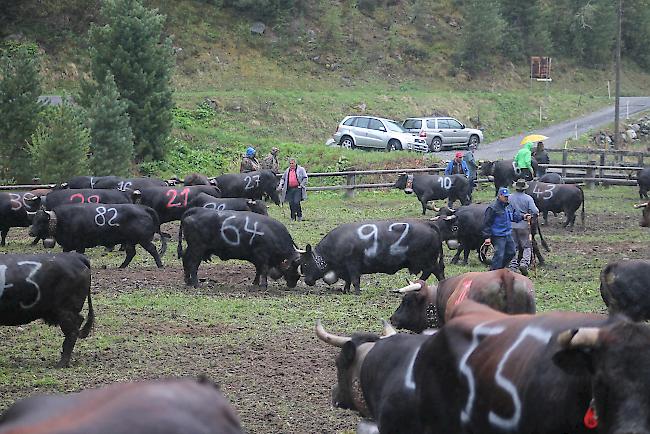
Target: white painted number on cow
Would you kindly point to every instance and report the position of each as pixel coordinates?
(92, 182)
(397, 248)
(29, 279)
(252, 230)
(372, 235)
(512, 422)
(16, 203)
(227, 228)
(479, 332)
(250, 180)
(214, 205)
(546, 193)
(102, 212)
(445, 182)
(124, 185)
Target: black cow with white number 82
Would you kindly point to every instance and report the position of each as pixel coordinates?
(77, 227)
(259, 239)
(380, 246)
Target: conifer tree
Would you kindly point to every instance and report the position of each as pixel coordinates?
(130, 46)
(111, 137)
(482, 34)
(60, 144)
(526, 33)
(20, 87)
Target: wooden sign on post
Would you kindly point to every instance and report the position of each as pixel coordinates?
(540, 68)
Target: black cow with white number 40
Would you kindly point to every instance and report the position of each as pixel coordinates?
(380, 246)
(259, 239)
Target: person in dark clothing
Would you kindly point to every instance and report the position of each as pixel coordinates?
(472, 167)
(541, 157)
(497, 224)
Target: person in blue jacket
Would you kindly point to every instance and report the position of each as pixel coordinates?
(457, 166)
(497, 229)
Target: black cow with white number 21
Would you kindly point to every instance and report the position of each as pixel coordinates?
(259, 239)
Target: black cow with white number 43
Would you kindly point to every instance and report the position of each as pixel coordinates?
(565, 198)
(259, 239)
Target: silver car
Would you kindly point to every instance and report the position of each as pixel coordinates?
(441, 132)
(374, 132)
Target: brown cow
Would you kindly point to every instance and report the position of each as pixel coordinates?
(168, 406)
(426, 306)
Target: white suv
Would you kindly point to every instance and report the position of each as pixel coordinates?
(374, 132)
(442, 132)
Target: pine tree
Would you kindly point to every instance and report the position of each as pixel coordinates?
(129, 47)
(482, 34)
(60, 144)
(636, 31)
(112, 138)
(20, 87)
(526, 32)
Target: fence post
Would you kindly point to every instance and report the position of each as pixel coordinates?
(589, 173)
(565, 159)
(351, 180)
(640, 160)
(601, 173)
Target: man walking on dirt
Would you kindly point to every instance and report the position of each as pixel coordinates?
(524, 204)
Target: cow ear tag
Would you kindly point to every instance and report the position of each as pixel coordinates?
(591, 418)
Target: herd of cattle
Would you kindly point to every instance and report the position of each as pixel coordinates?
(481, 363)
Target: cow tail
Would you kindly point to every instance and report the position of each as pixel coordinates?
(85, 331)
(179, 249)
(541, 238)
(582, 214)
(163, 237)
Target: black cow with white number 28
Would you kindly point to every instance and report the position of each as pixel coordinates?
(259, 239)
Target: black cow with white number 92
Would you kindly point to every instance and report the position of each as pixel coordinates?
(77, 227)
(259, 239)
(380, 246)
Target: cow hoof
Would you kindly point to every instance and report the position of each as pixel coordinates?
(454, 261)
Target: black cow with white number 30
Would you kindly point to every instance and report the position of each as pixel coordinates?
(77, 227)
(259, 239)
(380, 246)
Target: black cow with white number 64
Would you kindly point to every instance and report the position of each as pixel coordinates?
(77, 227)
(380, 246)
(259, 239)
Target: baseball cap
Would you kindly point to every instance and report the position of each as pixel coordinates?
(459, 155)
(504, 191)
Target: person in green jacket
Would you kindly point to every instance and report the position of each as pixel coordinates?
(523, 161)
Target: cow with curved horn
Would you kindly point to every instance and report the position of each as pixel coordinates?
(645, 217)
(428, 188)
(429, 306)
(374, 375)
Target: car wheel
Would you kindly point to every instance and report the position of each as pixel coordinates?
(436, 144)
(473, 140)
(393, 145)
(347, 142)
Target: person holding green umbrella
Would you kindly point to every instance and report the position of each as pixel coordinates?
(523, 161)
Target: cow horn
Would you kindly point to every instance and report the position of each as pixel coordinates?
(411, 287)
(389, 330)
(434, 218)
(451, 217)
(337, 341)
(50, 214)
(641, 205)
(32, 213)
(582, 337)
(299, 250)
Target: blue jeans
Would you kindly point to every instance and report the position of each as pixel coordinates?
(504, 251)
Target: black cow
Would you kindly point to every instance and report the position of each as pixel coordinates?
(643, 179)
(625, 288)
(229, 203)
(82, 195)
(198, 179)
(488, 372)
(645, 216)
(259, 239)
(170, 203)
(168, 406)
(565, 198)
(434, 187)
(113, 182)
(77, 227)
(462, 229)
(14, 209)
(253, 185)
(503, 172)
(551, 178)
(374, 377)
(429, 306)
(379, 246)
(51, 287)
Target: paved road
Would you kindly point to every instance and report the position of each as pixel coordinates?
(507, 148)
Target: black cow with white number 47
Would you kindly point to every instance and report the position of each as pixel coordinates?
(259, 239)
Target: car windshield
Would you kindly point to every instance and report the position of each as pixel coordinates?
(394, 126)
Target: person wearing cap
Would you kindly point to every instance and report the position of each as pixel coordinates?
(249, 163)
(497, 229)
(293, 188)
(472, 167)
(270, 162)
(541, 156)
(524, 161)
(457, 166)
(525, 205)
